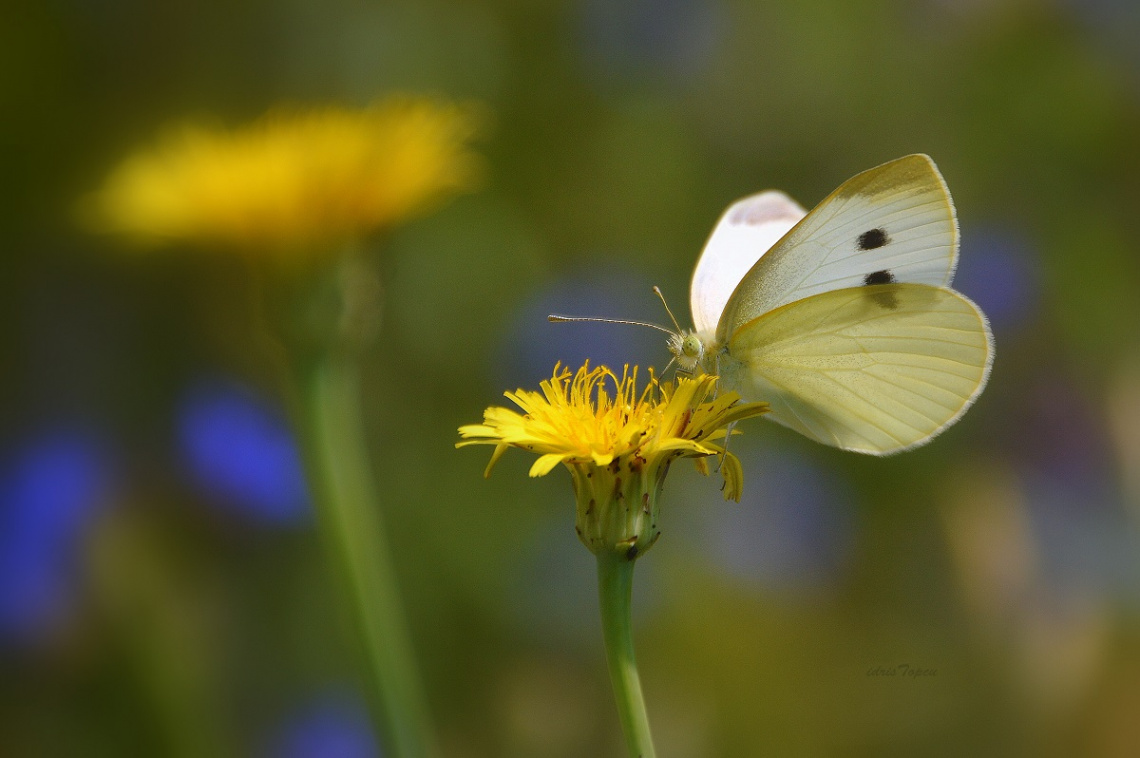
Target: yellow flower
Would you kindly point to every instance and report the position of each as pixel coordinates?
(292, 180)
(618, 444)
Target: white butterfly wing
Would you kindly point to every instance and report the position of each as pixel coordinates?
(892, 223)
(744, 233)
(875, 369)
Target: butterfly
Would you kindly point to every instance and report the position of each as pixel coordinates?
(842, 318)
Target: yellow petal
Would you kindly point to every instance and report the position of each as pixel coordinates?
(546, 463)
(733, 475)
(602, 459)
(495, 456)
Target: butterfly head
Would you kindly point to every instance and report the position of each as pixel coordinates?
(688, 349)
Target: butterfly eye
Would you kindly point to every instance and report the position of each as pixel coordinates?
(691, 346)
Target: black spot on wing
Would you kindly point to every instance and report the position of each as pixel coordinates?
(872, 239)
(882, 289)
(879, 277)
(884, 295)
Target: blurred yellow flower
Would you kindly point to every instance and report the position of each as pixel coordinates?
(618, 446)
(292, 180)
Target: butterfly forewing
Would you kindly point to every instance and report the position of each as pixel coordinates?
(744, 233)
(893, 223)
(874, 369)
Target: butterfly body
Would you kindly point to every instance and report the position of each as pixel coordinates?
(842, 318)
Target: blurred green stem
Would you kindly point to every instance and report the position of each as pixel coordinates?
(615, 590)
(353, 528)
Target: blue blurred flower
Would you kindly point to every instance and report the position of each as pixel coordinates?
(650, 38)
(51, 489)
(238, 448)
(332, 726)
(1090, 544)
(999, 271)
(1116, 22)
(533, 345)
(1062, 437)
(793, 529)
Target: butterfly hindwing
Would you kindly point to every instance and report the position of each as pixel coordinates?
(892, 223)
(874, 369)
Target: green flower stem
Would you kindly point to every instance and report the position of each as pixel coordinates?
(353, 529)
(615, 590)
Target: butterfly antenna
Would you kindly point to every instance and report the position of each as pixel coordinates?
(657, 291)
(563, 319)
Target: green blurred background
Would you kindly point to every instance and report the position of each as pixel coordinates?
(162, 588)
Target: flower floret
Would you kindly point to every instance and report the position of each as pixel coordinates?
(594, 418)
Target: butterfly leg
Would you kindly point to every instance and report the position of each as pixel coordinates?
(727, 438)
